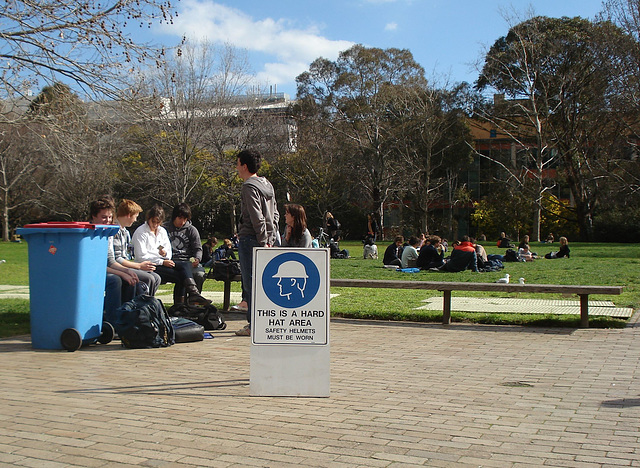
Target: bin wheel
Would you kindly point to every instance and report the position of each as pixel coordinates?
(71, 339)
(108, 332)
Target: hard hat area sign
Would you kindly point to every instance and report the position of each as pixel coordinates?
(291, 297)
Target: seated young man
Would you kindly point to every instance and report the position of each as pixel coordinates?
(126, 215)
(393, 253)
(410, 253)
(121, 281)
(185, 245)
(463, 257)
(430, 256)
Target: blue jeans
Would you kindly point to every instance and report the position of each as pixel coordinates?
(245, 254)
(113, 292)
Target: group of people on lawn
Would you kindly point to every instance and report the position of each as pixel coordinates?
(428, 253)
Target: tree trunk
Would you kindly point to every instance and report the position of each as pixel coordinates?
(5, 218)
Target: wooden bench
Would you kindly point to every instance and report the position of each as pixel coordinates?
(447, 287)
(226, 300)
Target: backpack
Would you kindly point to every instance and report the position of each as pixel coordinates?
(225, 270)
(512, 256)
(220, 253)
(207, 316)
(142, 322)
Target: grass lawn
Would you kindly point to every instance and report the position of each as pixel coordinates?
(590, 264)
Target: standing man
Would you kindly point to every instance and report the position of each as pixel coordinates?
(258, 222)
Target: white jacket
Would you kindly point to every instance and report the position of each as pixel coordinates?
(146, 245)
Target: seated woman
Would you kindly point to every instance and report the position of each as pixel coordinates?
(524, 249)
(151, 243)
(207, 251)
(563, 252)
(430, 256)
(296, 233)
(126, 215)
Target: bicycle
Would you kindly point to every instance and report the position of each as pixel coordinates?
(323, 239)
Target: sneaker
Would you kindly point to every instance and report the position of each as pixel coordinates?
(244, 331)
(242, 307)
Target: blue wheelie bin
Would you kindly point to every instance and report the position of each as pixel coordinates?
(67, 274)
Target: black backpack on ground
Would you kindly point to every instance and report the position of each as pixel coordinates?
(142, 322)
(207, 316)
(512, 256)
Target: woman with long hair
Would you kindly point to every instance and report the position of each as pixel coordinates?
(296, 233)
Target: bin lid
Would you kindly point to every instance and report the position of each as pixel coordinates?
(61, 224)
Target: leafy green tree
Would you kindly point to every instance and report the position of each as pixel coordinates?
(565, 71)
(353, 95)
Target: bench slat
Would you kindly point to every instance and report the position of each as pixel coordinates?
(460, 286)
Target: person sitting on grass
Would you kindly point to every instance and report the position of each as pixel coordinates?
(563, 252)
(504, 242)
(410, 253)
(225, 251)
(525, 249)
(207, 251)
(393, 253)
(429, 256)
(462, 258)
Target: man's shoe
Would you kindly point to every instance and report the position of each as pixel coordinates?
(242, 307)
(244, 331)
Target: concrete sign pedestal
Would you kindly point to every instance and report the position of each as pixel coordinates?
(290, 351)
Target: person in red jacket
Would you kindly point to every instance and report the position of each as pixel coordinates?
(463, 257)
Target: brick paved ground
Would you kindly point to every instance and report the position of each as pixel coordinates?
(401, 395)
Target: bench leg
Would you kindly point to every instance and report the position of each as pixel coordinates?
(584, 310)
(227, 295)
(446, 308)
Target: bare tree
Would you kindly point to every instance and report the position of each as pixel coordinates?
(80, 41)
(204, 113)
(17, 164)
(74, 163)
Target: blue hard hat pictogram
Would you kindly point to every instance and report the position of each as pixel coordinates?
(291, 280)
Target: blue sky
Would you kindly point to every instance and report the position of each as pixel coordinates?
(283, 37)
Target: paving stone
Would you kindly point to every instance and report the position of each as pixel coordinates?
(401, 395)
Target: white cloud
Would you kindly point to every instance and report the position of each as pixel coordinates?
(289, 49)
(391, 26)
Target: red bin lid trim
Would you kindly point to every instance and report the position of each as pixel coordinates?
(62, 224)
